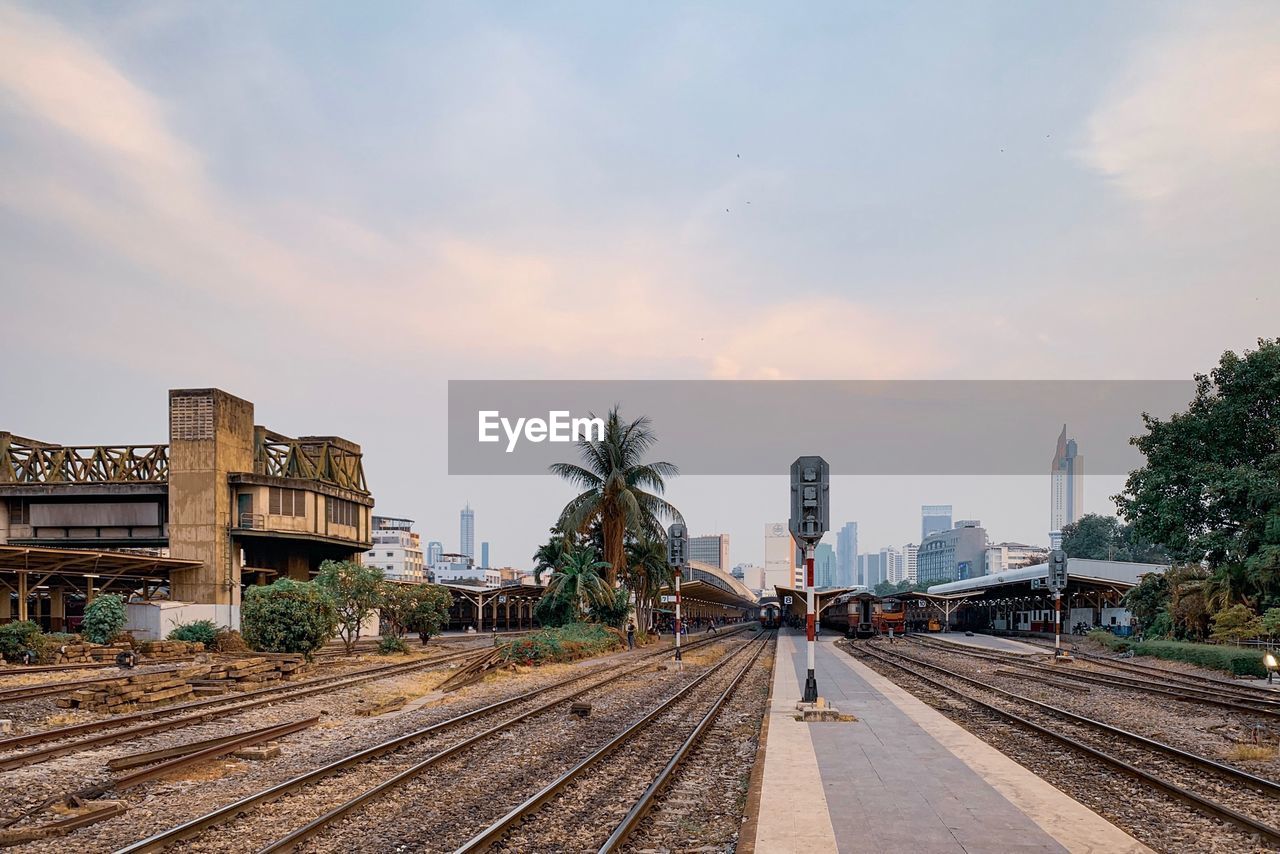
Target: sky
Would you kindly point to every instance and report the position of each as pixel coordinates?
(333, 209)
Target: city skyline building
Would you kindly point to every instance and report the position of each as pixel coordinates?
(934, 518)
(484, 554)
(909, 562)
(892, 566)
(779, 556)
(870, 573)
(824, 565)
(953, 555)
(467, 532)
(847, 554)
(434, 551)
(1005, 556)
(710, 548)
(1066, 483)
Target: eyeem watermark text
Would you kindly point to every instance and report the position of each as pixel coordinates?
(558, 426)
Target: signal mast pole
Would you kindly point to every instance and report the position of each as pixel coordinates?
(677, 540)
(810, 625)
(810, 519)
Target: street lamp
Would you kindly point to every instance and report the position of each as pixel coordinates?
(1270, 661)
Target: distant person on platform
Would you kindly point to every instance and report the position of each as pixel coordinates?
(631, 635)
(891, 634)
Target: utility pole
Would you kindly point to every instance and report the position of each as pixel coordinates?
(677, 543)
(810, 519)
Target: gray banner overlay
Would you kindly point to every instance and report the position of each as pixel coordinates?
(870, 427)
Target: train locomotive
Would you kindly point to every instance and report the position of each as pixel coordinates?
(863, 615)
(770, 613)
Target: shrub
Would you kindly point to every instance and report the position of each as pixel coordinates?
(18, 637)
(616, 612)
(390, 644)
(553, 611)
(566, 643)
(1236, 623)
(1102, 637)
(287, 616)
(104, 617)
(1238, 662)
(197, 631)
(229, 640)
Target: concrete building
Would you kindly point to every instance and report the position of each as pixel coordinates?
(239, 503)
(909, 562)
(712, 549)
(467, 532)
(484, 554)
(847, 554)
(1005, 556)
(397, 550)
(953, 555)
(750, 575)
(461, 569)
(870, 572)
(934, 518)
(779, 556)
(892, 566)
(1066, 483)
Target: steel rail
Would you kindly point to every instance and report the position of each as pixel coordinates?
(163, 839)
(1266, 706)
(646, 800)
(495, 831)
(160, 720)
(1205, 805)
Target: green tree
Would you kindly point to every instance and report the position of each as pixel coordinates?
(287, 616)
(579, 581)
(1210, 487)
(1236, 623)
(395, 605)
(550, 554)
(1093, 537)
(104, 617)
(356, 591)
(1149, 599)
(430, 614)
(620, 492)
(647, 573)
(885, 588)
(1271, 621)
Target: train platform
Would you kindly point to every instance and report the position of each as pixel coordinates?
(899, 777)
(989, 642)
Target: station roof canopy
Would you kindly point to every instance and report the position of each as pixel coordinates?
(1082, 573)
(44, 561)
(799, 603)
(478, 592)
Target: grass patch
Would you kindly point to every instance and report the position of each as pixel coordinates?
(566, 643)
(1230, 659)
(1253, 753)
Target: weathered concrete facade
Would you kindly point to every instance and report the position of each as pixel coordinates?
(246, 503)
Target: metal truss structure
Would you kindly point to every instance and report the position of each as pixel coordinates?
(28, 461)
(326, 459)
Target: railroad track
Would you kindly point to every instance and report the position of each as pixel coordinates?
(73, 738)
(1246, 801)
(362, 760)
(1240, 699)
(536, 824)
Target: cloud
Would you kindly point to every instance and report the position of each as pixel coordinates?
(1196, 109)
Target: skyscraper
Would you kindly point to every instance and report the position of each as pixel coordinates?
(847, 554)
(710, 548)
(468, 533)
(1066, 484)
(909, 561)
(484, 555)
(934, 518)
(779, 556)
(435, 550)
(892, 566)
(824, 566)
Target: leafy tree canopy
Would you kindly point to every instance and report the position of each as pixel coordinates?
(1096, 537)
(356, 591)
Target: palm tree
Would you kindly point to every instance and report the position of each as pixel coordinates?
(549, 555)
(647, 571)
(577, 579)
(1228, 585)
(614, 480)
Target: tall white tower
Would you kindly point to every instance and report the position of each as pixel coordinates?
(468, 544)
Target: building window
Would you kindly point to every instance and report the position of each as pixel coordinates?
(342, 512)
(288, 502)
(19, 514)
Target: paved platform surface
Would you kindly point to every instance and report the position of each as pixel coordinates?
(990, 642)
(901, 777)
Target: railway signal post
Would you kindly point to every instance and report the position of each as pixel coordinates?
(810, 519)
(1057, 582)
(677, 543)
